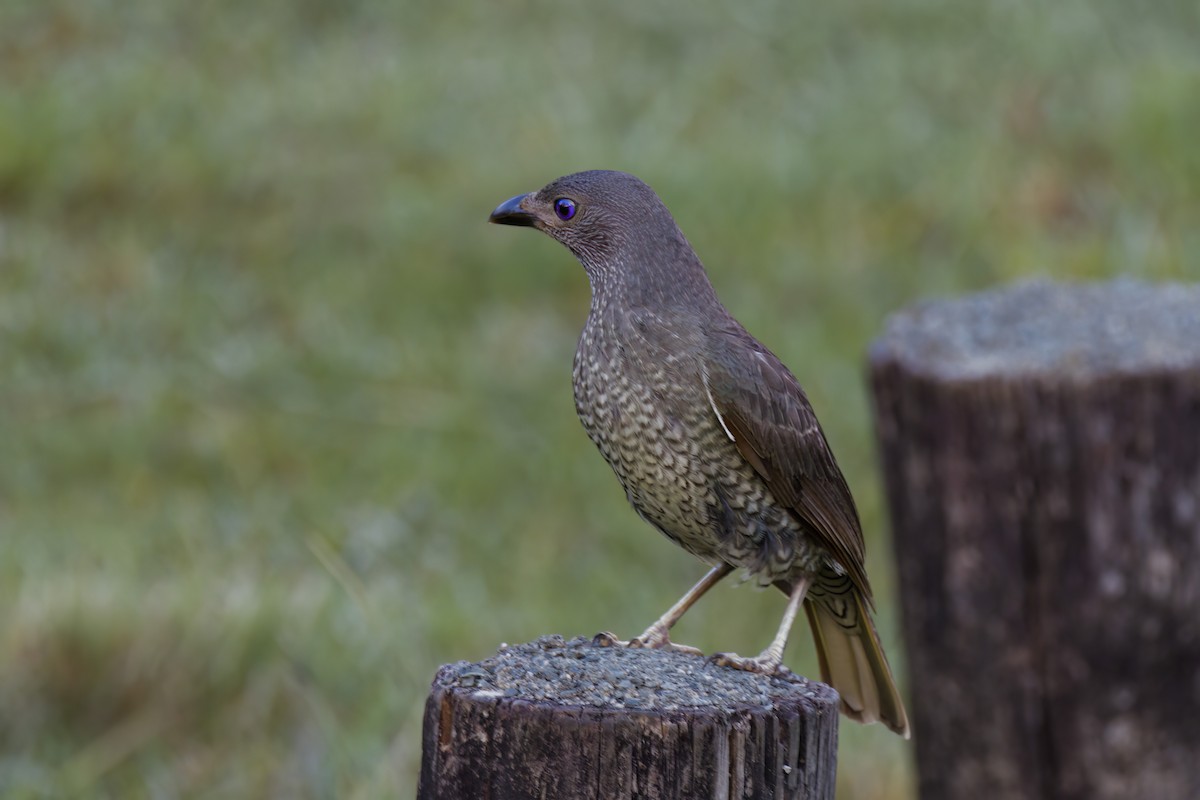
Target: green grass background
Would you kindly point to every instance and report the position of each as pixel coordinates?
(286, 425)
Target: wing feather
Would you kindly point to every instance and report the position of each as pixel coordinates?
(766, 412)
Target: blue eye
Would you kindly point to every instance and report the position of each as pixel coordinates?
(564, 208)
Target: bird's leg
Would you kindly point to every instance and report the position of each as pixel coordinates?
(657, 636)
(770, 661)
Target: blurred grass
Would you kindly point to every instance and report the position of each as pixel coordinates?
(286, 424)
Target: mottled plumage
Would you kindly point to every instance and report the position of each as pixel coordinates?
(711, 436)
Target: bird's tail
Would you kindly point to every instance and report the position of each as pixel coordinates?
(851, 658)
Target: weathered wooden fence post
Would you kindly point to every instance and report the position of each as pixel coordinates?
(1041, 449)
(570, 720)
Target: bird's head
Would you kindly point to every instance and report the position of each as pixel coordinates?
(595, 214)
(621, 232)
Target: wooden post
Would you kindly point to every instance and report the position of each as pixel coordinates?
(568, 720)
(1041, 450)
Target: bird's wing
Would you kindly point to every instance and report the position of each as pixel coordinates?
(765, 411)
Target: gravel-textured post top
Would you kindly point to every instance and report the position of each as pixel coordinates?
(1052, 330)
(579, 673)
(574, 720)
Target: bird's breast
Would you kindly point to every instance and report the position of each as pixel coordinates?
(652, 426)
(652, 421)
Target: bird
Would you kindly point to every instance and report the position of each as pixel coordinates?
(712, 438)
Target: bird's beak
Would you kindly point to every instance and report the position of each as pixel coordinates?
(510, 213)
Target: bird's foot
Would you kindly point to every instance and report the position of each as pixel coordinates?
(764, 663)
(668, 645)
(658, 637)
(607, 639)
(652, 639)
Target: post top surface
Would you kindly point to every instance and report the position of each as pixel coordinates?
(1050, 329)
(578, 673)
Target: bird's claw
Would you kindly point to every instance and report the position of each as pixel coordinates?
(647, 641)
(658, 637)
(666, 644)
(607, 639)
(763, 665)
(652, 639)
